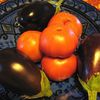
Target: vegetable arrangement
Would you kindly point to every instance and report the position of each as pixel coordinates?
(49, 36)
(54, 47)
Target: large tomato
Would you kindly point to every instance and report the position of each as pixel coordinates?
(59, 69)
(58, 41)
(69, 20)
(28, 44)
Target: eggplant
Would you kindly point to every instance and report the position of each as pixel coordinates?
(22, 76)
(89, 65)
(36, 16)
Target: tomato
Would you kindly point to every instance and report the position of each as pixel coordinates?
(69, 20)
(28, 44)
(58, 41)
(59, 69)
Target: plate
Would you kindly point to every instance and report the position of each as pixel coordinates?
(88, 15)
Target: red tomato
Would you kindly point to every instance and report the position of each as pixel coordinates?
(28, 43)
(57, 41)
(69, 20)
(59, 69)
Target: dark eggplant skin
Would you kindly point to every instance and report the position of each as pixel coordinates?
(19, 73)
(89, 57)
(36, 16)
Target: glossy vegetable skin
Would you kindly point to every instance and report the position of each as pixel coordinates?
(89, 54)
(89, 65)
(68, 20)
(21, 75)
(59, 69)
(28, 44)
(36, 16)
(58, 41)
(18, 72)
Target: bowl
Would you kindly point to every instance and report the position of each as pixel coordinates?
(89, 16)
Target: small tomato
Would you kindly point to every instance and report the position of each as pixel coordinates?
(69, 20)
(59, 69)
(28, 44)
(58, 41)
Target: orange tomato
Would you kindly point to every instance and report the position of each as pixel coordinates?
(69, 20)
(58, 41)
(28, 44)
(59, 69)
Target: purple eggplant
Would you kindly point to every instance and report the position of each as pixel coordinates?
(89, 65)
(35, 16)
(21, 75)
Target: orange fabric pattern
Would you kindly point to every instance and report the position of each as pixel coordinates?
(95, 3)
(1, 1)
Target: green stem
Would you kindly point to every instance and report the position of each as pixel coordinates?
(92, 95)
(57, 4)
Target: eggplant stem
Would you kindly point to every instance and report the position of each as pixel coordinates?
(57, 4)
(92, 95)
(45, 89)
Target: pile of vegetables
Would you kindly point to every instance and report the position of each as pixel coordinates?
(54, 47)
(49, 37)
